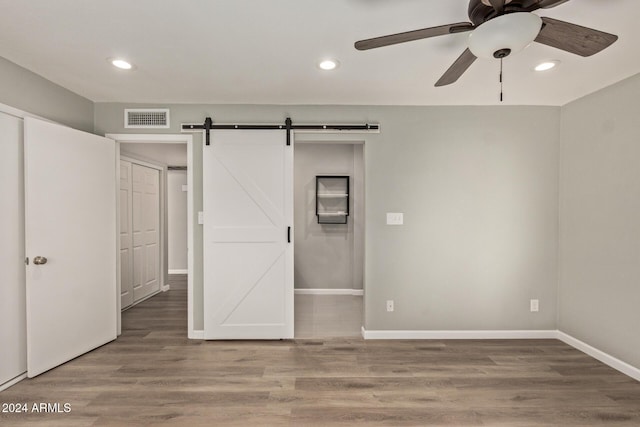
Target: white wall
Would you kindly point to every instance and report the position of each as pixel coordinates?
(327, 256)
(177, 220)
(600, 220)
(13, 329)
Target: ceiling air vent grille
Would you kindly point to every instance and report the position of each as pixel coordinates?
(157, 118)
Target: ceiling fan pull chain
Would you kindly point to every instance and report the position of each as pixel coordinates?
(501, 85)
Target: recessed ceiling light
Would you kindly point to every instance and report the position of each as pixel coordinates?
(328, 64)
(547, 65)
(121, 63)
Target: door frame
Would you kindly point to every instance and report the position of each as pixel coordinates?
(139, 138)
(344, 138)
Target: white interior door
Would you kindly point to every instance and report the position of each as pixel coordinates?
(248, 260)
(126, 237)
(70, 219)
(13, 328)
(146, 231)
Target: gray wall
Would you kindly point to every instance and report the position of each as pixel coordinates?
(177, 219)
(600, 220)
(326, 254)
(27, 91)
(479, 190)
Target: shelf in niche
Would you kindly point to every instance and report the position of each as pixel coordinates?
(332, 214)
(330, 195)
(332, 199)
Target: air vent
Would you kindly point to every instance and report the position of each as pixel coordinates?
(157, 118)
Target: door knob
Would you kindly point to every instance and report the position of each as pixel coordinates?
(39, 260)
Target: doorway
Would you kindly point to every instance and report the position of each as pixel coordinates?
(329, 257)
(165, 152)
(141, 238)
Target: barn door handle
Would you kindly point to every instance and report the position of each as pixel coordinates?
(288, 234)
(40, 260)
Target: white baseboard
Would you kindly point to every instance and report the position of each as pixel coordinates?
(600, 355)
(13, 381)
(196, 334)
(457, 335)
(178, 271)
(352, 292)
(165, 288)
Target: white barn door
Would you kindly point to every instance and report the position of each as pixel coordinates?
(248, 249)
(70, 219)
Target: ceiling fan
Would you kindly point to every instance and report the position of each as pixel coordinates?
(503, 27)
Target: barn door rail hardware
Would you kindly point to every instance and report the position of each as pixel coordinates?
(288, 125)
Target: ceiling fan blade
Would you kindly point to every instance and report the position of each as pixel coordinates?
(457, 69)
(413, 35)
(548, 4)
(531, 5)
(573, 38)
(498, 5)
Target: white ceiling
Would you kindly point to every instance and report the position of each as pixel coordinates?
(265, 52)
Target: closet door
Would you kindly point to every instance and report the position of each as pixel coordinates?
(146, 230)
(126, 243)
(248, 254)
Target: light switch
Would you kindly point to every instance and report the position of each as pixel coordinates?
(395, 218)
(534, 305)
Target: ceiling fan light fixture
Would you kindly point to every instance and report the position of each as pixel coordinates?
(547, 65)
(513, 32)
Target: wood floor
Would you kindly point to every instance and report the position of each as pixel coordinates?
(153, 375)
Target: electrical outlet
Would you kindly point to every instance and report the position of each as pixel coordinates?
(534, 305)
(390, 305)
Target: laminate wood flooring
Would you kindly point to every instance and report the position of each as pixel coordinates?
(153, 375)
